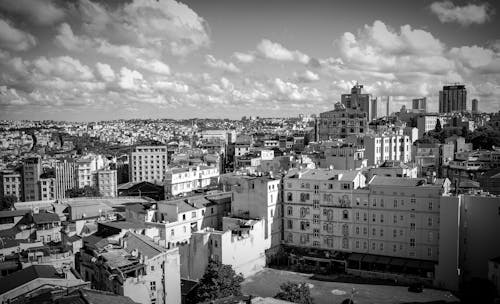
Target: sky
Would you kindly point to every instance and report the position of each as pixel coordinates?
(89, 60)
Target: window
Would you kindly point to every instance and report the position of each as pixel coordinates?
(430, 236)
(374, 231)
(316, 219)
(345, 243)
(357, 216)
(289, 196)
(289, 224)
(413, 201)
(373, 246)
(412, 242)
(345, 215)
(394, 233)
(152, 286)
(316, 244)
(304, 197)
(395, 220)
(185, 229)
(381, 218)
(316, 233)
(365, 230)
(346, 186)
(381, 232)
(395, 203)
(152, 268)
(193, 214)
(374, 202)
(382, 202)
(289, 210)
(412, 226)
(429, 252)
(304, 225)
(212, 210)
(394, 248)
(381, 246)
(429, 221)
(357, 230)
(430, 206)
(183, 217)
(374, 217)
(365, 217)
(315, 204)
(172, 232)
(357, 244)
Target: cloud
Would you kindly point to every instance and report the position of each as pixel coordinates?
(15, 39)
(130, 79)
(447, 12)
(212, 62)
(40, 12)
(65, 67)
(306, 76)
(244, 57)
(105, 71)
(276, 51)
(172, 86)
(66, 39)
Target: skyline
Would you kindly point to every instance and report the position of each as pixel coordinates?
(105, 60)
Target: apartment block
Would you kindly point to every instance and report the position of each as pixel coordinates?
(342, 122)
(383, 147)
(47, 188)
(184, 180)
(65, 177)
(148, 163)
(32, 168)
(107, 183)
(11, 184)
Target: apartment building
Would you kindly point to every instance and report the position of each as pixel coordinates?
(382, 147)
(107, 183)
(132, 265)
(11, 184)
(148, 163)
(184, 180)
(47, 188)
(392, 217)
(32, 168)
(343, 157)
(86, 169)
(342, 122)
(65, 177)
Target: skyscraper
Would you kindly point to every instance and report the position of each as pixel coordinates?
(358, 101)
(419, 104)
(475, 106)
(453, 99)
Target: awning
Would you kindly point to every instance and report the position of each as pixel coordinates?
(369, 258)
(413, 264)
(397, 262)
(355, 257)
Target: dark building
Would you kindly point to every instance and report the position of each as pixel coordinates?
(453, 99)
(475, 106)
(419, 104)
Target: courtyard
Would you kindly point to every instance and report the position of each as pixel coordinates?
(266, 284)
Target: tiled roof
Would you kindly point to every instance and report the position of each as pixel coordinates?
(123, 225)
(45, 217)
(325, 174)
(143, 244)
(26, 275)
(13, 213)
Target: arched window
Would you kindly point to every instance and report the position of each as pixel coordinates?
(289, 210)
(345, 215)
(289, 196)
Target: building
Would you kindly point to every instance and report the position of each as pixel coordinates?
(47, 188)
(382, 147)
(468, 238)
(11, 184)
(359, 101)
(342, 122)
(132, 266)
(184, 180)
(107, 183)
(426, 123)
(432, 157)
(65, 177)
(24, 284)
(453, 98)
(148, 163)
(345, 156)
(494, 272)
(32, 169)
(392, 168)
(475, 106)
(146, 189)
(419, 104)
(86, 169)
(47, 227)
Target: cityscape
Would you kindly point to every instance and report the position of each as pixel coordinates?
(266, 152)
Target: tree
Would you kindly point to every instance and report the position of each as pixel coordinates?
(438, 127)
(6, 202)
(295, 292)
(218, 281)
(86, 191)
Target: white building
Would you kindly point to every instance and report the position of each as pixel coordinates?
(184, 180)
(148, 163)
(379, 148)
(107, 183)
(11, 184)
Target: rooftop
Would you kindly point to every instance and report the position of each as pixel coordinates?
(13, 213)
(26, 275)
(403, 182)
(325, 174)
(45, 217)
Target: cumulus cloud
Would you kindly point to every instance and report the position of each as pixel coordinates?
(41, 12)
(212, 62)
(172, 86)
(65, 67)
(105, 71)
(276, 51)
(244, 57)
(447, 12)
(130, 79)
(15, 39)
(306, 76)
(66, 39)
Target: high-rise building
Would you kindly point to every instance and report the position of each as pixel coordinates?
(359, 101)
(107, 183)
(66, 177)
(419, 104)
(342, 122)
(475, 106)
(453, 99)
(11, 184)
(148, 163)
(32, 168)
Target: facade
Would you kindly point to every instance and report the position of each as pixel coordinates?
(475, 106)
(184, 180)
(342, 122)
(453, 99)
(32, 169)
(426, 123)
(132, 266)
(395, 169)
(66, 178)
(419, 104)
(47, 227)
(382, 147)
(359, 101)
(148, 163)
(343, 157)
(47, 188)
(11, 184)
(107, 183)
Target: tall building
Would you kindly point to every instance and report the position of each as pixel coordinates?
(475, 106)
(66, 177)
(46, 186)
(342, 122)
(359, 101)
(453, 99)
(148, 163)
(11, 184)
(107, 183)
(32, 168)
(419, 104)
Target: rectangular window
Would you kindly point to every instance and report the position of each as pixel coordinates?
(315, 204)
(289, 224)
(152, 286)
(412, 226)
(412, 242)
(430, 206)
(429, 221)
(316, 232)
(429, 252)
(316, 219)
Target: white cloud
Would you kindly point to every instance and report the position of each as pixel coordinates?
(130, 79)
(41, 12)
(448, 12)
(65, 67)
(172, 86)
(66, 39)
(276, 51)
(15, 39)
(105, 71)
(212, 62)
(306, 76)
(244, 57)
(154, 66)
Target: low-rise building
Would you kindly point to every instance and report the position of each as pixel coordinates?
(11, 184)
(107, 183)
(184, 180)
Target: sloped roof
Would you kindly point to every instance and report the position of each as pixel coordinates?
(396, 181)
(26, 275)
(13, 213)
(45, 217)
(143, 244)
